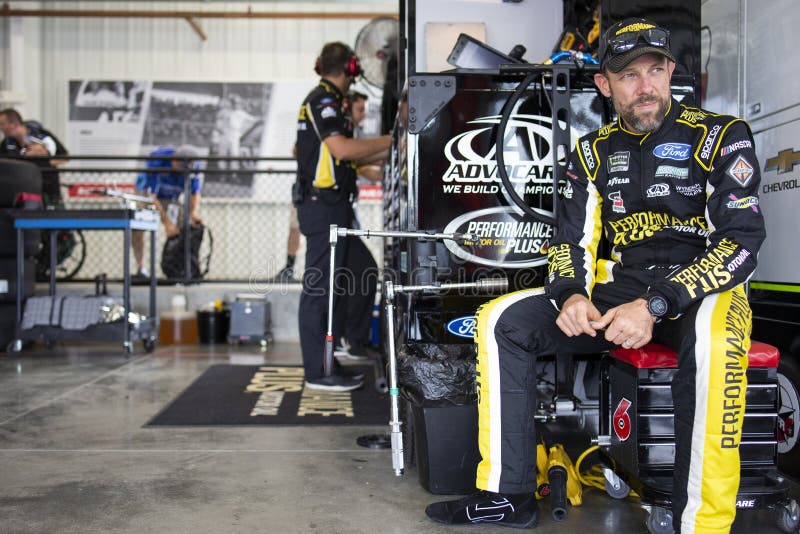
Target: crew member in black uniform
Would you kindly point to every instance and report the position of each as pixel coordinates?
(327, 157)
(674, 191)
(31, 139)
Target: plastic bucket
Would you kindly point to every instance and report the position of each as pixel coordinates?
(213, 325)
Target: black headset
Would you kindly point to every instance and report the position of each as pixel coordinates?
(352, 67)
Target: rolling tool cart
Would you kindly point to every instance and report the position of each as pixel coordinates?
(637, 435)
(114, 219)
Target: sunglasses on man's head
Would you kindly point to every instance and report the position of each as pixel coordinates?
(625, 41)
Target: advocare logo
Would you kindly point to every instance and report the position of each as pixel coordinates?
(503, 238)
(463, 326)
(528, 154)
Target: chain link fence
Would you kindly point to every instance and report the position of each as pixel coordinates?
(245, 205)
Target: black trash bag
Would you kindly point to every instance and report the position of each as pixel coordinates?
(172, 262)
(436, 374)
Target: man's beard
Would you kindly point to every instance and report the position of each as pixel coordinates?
(644, 124)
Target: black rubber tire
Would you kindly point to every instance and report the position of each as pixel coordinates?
(70, 255)
(659, 521)
(789, 517)
(789, 408)
(17, 176)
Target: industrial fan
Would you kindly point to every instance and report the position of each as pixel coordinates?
(375, 45)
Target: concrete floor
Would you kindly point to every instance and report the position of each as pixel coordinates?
(74, 457)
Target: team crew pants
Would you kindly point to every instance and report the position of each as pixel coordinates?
(355, 279)
(711, 338)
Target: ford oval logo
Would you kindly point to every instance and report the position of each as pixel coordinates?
(463, 326)
(676, 151)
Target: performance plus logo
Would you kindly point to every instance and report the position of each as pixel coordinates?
(528, 156)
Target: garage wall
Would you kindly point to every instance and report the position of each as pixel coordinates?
(56, 50)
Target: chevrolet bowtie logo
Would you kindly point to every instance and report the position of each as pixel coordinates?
(784, 161)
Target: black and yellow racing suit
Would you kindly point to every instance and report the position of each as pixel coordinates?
(678, 209)
(328, 186)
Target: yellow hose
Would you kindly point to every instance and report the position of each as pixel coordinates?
(594, 475)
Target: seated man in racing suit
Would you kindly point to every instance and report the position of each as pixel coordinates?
(673, 189)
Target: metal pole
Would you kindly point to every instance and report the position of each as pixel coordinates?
(152, 309)
(17, 343)
(327, 362)
(187, 241)
(343, 232)
(53, 261)
(487, 285)
(126, 288)
(394, 392)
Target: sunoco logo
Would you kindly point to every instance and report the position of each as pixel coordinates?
(503, 238)
(463, 326)
(527, 154)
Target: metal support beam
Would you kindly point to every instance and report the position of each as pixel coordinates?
(196, 27)
(7, 11)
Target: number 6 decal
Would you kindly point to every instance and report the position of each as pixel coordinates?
(622, 421)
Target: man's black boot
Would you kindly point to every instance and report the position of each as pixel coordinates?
(515, 511)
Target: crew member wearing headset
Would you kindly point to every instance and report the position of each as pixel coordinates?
(327, 159)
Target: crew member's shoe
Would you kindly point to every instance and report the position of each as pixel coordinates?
(507, 510)
(140, 277)
(350, 372)
(334, 383)
(355, 352)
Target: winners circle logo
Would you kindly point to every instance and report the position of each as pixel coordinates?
(528, 157)
(503, 238)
